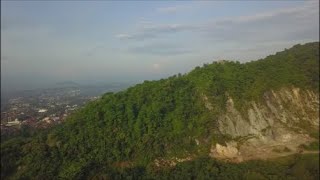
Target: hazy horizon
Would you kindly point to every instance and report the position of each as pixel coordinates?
(43, 43)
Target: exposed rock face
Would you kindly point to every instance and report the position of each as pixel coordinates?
(284, 118)
(228, 151)
(285, 108)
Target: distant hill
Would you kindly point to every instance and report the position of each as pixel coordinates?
(190, 126)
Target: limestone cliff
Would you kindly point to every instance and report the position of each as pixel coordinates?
(284, 118)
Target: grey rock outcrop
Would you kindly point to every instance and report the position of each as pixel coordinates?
(282, 119)
(286, 108)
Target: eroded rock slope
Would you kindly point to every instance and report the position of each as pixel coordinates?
(275, 126)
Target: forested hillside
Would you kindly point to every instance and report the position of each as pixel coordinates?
(133, 134)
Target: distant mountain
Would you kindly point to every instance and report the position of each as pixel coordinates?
(191, 126)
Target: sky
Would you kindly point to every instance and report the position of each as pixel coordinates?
(44, 42)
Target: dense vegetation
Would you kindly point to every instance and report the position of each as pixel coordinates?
(293, 167)
(121, 134)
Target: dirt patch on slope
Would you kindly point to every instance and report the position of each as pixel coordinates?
(260, 148)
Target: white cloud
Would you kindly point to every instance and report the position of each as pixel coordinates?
(176, 8)
(186, 6)
(309, 7)
(161, 49)
(123, 36)
(287, 24)
(156, 66)
(172, 9)
(151, 30)
(290, 22)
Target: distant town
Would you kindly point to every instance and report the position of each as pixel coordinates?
(41, 109)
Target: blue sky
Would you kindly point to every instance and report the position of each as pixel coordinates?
(102, 41)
